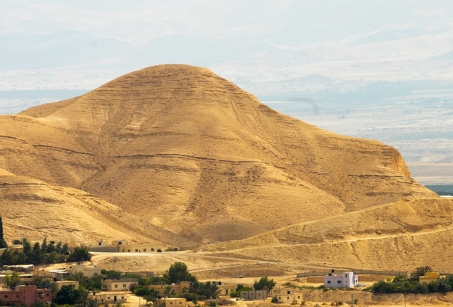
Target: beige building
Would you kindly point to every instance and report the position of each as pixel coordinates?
(289, 296)
(110, 297)
(58, 274)
(179, 289)
(122, 284)
(170, 302)
(124, 247)
(429, 277)
(225, 290)
(62, 283)
(86, 271)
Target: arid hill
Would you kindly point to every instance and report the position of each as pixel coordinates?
(396, 236)
(33, 209)
(186, 150)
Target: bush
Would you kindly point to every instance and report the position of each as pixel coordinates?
(274, 300)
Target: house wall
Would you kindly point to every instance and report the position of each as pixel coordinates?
(254, 295)
(178, 288)
(26, 295)
(137, 248)
(118, 285)
(290, 298)
(86, 271)
(110, 297)
(170, 302)
(226, 289)
(346, 280)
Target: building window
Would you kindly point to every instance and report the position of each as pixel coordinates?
(152, 249)
(180, 303)
(298, 297)
(339, 281)
(288, 292)
(47, 294)
(171, 303)
(144, 250)
(6, 295)
(116, 286)
(124, 286)
(136, 250)
(346, 275)
(328, 281)
(17, 296)
(128, 250)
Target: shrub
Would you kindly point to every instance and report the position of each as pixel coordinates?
(274, 300)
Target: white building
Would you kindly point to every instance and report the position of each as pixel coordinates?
(346, 280)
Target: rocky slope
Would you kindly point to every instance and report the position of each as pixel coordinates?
(34, 209)
(191, 152)
(396, 236)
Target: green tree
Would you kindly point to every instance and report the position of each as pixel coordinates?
(65, 249)
(68, 295)
(50, 247)
(178, 272)
(400, 279)
(7, 279)
(169, 292)
(79, 254)
(26, 244)
(264, 284)
(58, 247)
(111, 274)
(13, 280)
(44, 245)
(205, 290)
(92, 303)
(3, 243)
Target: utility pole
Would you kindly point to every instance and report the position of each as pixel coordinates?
(352, 300)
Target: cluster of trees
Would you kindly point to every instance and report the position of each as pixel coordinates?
(264, 284)
(411, 284)
(43, 253)
(177, 273)
(2, 240)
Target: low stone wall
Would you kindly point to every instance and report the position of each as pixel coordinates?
(362, 278)
(368, 298)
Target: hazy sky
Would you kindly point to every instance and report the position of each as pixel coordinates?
(82, 44)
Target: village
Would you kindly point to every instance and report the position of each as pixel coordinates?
(84, 283)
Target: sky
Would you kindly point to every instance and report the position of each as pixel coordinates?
(257, 44)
